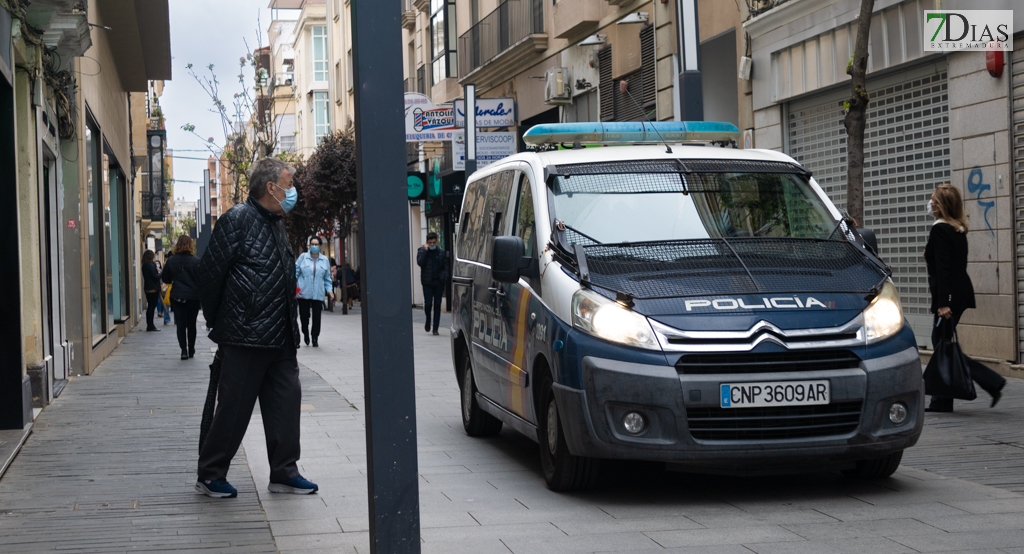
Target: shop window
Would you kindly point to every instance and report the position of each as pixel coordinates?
(94, 196)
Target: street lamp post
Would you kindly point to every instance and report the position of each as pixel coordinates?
(388, 374)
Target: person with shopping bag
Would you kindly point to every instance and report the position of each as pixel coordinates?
(949, 373)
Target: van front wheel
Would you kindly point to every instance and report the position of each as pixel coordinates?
(475, 421)
(562, 470)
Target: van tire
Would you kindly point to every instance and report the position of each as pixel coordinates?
(878, 468)
(562, 470)
(475, 421)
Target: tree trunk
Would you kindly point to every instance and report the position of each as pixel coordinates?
(856, 111)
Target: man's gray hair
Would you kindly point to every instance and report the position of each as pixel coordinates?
(266, 170)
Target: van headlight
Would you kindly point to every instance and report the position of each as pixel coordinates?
(883, 318)
(603, 318)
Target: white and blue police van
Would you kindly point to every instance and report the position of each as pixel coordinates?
(675, 299)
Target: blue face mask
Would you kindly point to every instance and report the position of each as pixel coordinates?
(433, 247)
(291, 196)
(314, 249)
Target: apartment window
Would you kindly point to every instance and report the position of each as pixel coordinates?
(338, 82)
(442, 40)
(321, 121)
(351, 74)
(319, 54)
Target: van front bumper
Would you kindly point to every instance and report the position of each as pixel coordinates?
(592, 417)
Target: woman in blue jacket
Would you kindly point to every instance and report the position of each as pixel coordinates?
(313, 272)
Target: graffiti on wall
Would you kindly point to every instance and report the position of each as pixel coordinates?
(975, 185)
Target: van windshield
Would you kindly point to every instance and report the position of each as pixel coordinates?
(641, 207)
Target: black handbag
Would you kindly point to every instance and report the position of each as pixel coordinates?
(948, 373)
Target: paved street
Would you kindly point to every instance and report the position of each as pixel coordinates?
(110, 468)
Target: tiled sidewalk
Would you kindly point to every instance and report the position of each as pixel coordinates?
(110, 466)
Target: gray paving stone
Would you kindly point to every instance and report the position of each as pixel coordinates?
(860, 529)
(970, 540)
(841, 546)
(732, 535)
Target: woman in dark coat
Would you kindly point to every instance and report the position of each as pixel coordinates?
(151, 285)
(180, 273)
(951, 288)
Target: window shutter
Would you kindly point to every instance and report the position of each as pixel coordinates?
(649, 96)
(606, 88)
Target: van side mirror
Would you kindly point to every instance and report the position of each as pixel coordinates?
(869, 239)
(508, 259)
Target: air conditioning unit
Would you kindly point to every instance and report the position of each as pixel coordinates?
(558, 86)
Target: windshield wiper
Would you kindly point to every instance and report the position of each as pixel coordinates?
(562, 227)
(742, 263)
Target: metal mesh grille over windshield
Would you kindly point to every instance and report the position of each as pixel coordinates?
(737, 266)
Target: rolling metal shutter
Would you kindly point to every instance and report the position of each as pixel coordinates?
(616, 106)
(906, 155)
(1017, 130)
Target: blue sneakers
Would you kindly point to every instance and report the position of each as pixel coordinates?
(295, 485)
(217, 489)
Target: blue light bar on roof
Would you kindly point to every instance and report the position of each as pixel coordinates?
(632, 132)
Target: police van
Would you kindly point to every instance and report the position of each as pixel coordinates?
(675, 299)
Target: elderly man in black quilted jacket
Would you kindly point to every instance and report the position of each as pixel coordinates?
(246, 282)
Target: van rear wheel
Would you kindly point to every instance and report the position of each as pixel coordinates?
(562, 470)
(475, 421)
(878, 468)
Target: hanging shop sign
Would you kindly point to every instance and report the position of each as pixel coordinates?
(453, 183)
(490, 147)
(417, 184)
(490, 112)
(426, 121)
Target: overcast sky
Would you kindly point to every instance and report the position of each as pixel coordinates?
(205, 32)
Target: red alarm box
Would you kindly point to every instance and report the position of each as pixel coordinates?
(994, 62)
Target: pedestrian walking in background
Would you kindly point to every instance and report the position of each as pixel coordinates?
(334, 282)
(151, 285)
(247, 283)
(180, 275)
(165, 299)
(951, 288)
(433, 264)
(351, 283)
(313, 273)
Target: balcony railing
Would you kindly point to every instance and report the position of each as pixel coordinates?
(758, 7)
(511, 22)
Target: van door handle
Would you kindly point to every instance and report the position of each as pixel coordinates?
(497, 291)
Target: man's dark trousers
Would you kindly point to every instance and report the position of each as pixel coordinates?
(247, 373)
(432, 297)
